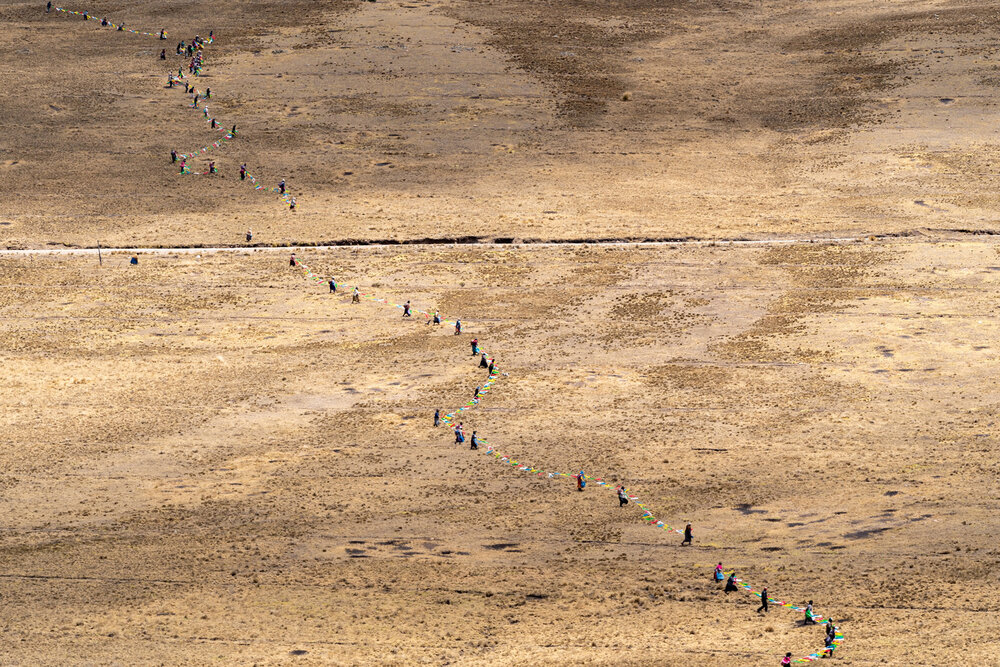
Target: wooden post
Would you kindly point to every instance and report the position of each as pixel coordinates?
(99, 258)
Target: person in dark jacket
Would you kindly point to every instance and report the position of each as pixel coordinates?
(763, 601)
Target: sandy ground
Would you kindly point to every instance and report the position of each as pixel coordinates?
(213, 459)
(210, 459)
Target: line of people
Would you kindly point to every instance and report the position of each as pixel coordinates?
(809, 618)
(832, 638)
(195, 52)
(623, 500)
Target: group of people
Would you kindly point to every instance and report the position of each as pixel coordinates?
(831, 628)
(195, 52)
(623, 498)
(194, 66)
(460, 433)
(182, 159)
(194, 48)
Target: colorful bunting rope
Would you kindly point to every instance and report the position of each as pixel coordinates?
(647, 515)
(88, 17)
(286, 197)
(495, 374)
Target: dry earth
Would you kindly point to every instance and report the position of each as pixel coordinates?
(210, 459)
(505, 119)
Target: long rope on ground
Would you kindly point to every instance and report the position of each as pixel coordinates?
(647, 516)
(282, 191)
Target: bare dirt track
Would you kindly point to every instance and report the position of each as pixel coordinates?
(208, 458)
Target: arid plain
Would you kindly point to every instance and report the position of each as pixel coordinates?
(208, 458)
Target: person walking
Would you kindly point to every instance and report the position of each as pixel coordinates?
(489, 370)
(173, 156)
(356, 296)
(163, 54)
(622, 496)
(719, 575)
(475, 346)
(581, 481)
(281, 186)
(831, 638)
(482, 361)
(763, 601)
(458, 327)
(291, 262)
(787, 660)
(687, 535)
(333, 285)
(459, 435)
(291, 204)
(473, 441)
(476, 394)
(437, 418)
(406, 309)
(809, 620)
(48, 7)
(243, 171)
(731, 584)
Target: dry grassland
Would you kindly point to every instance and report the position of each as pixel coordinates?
(207, 458)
